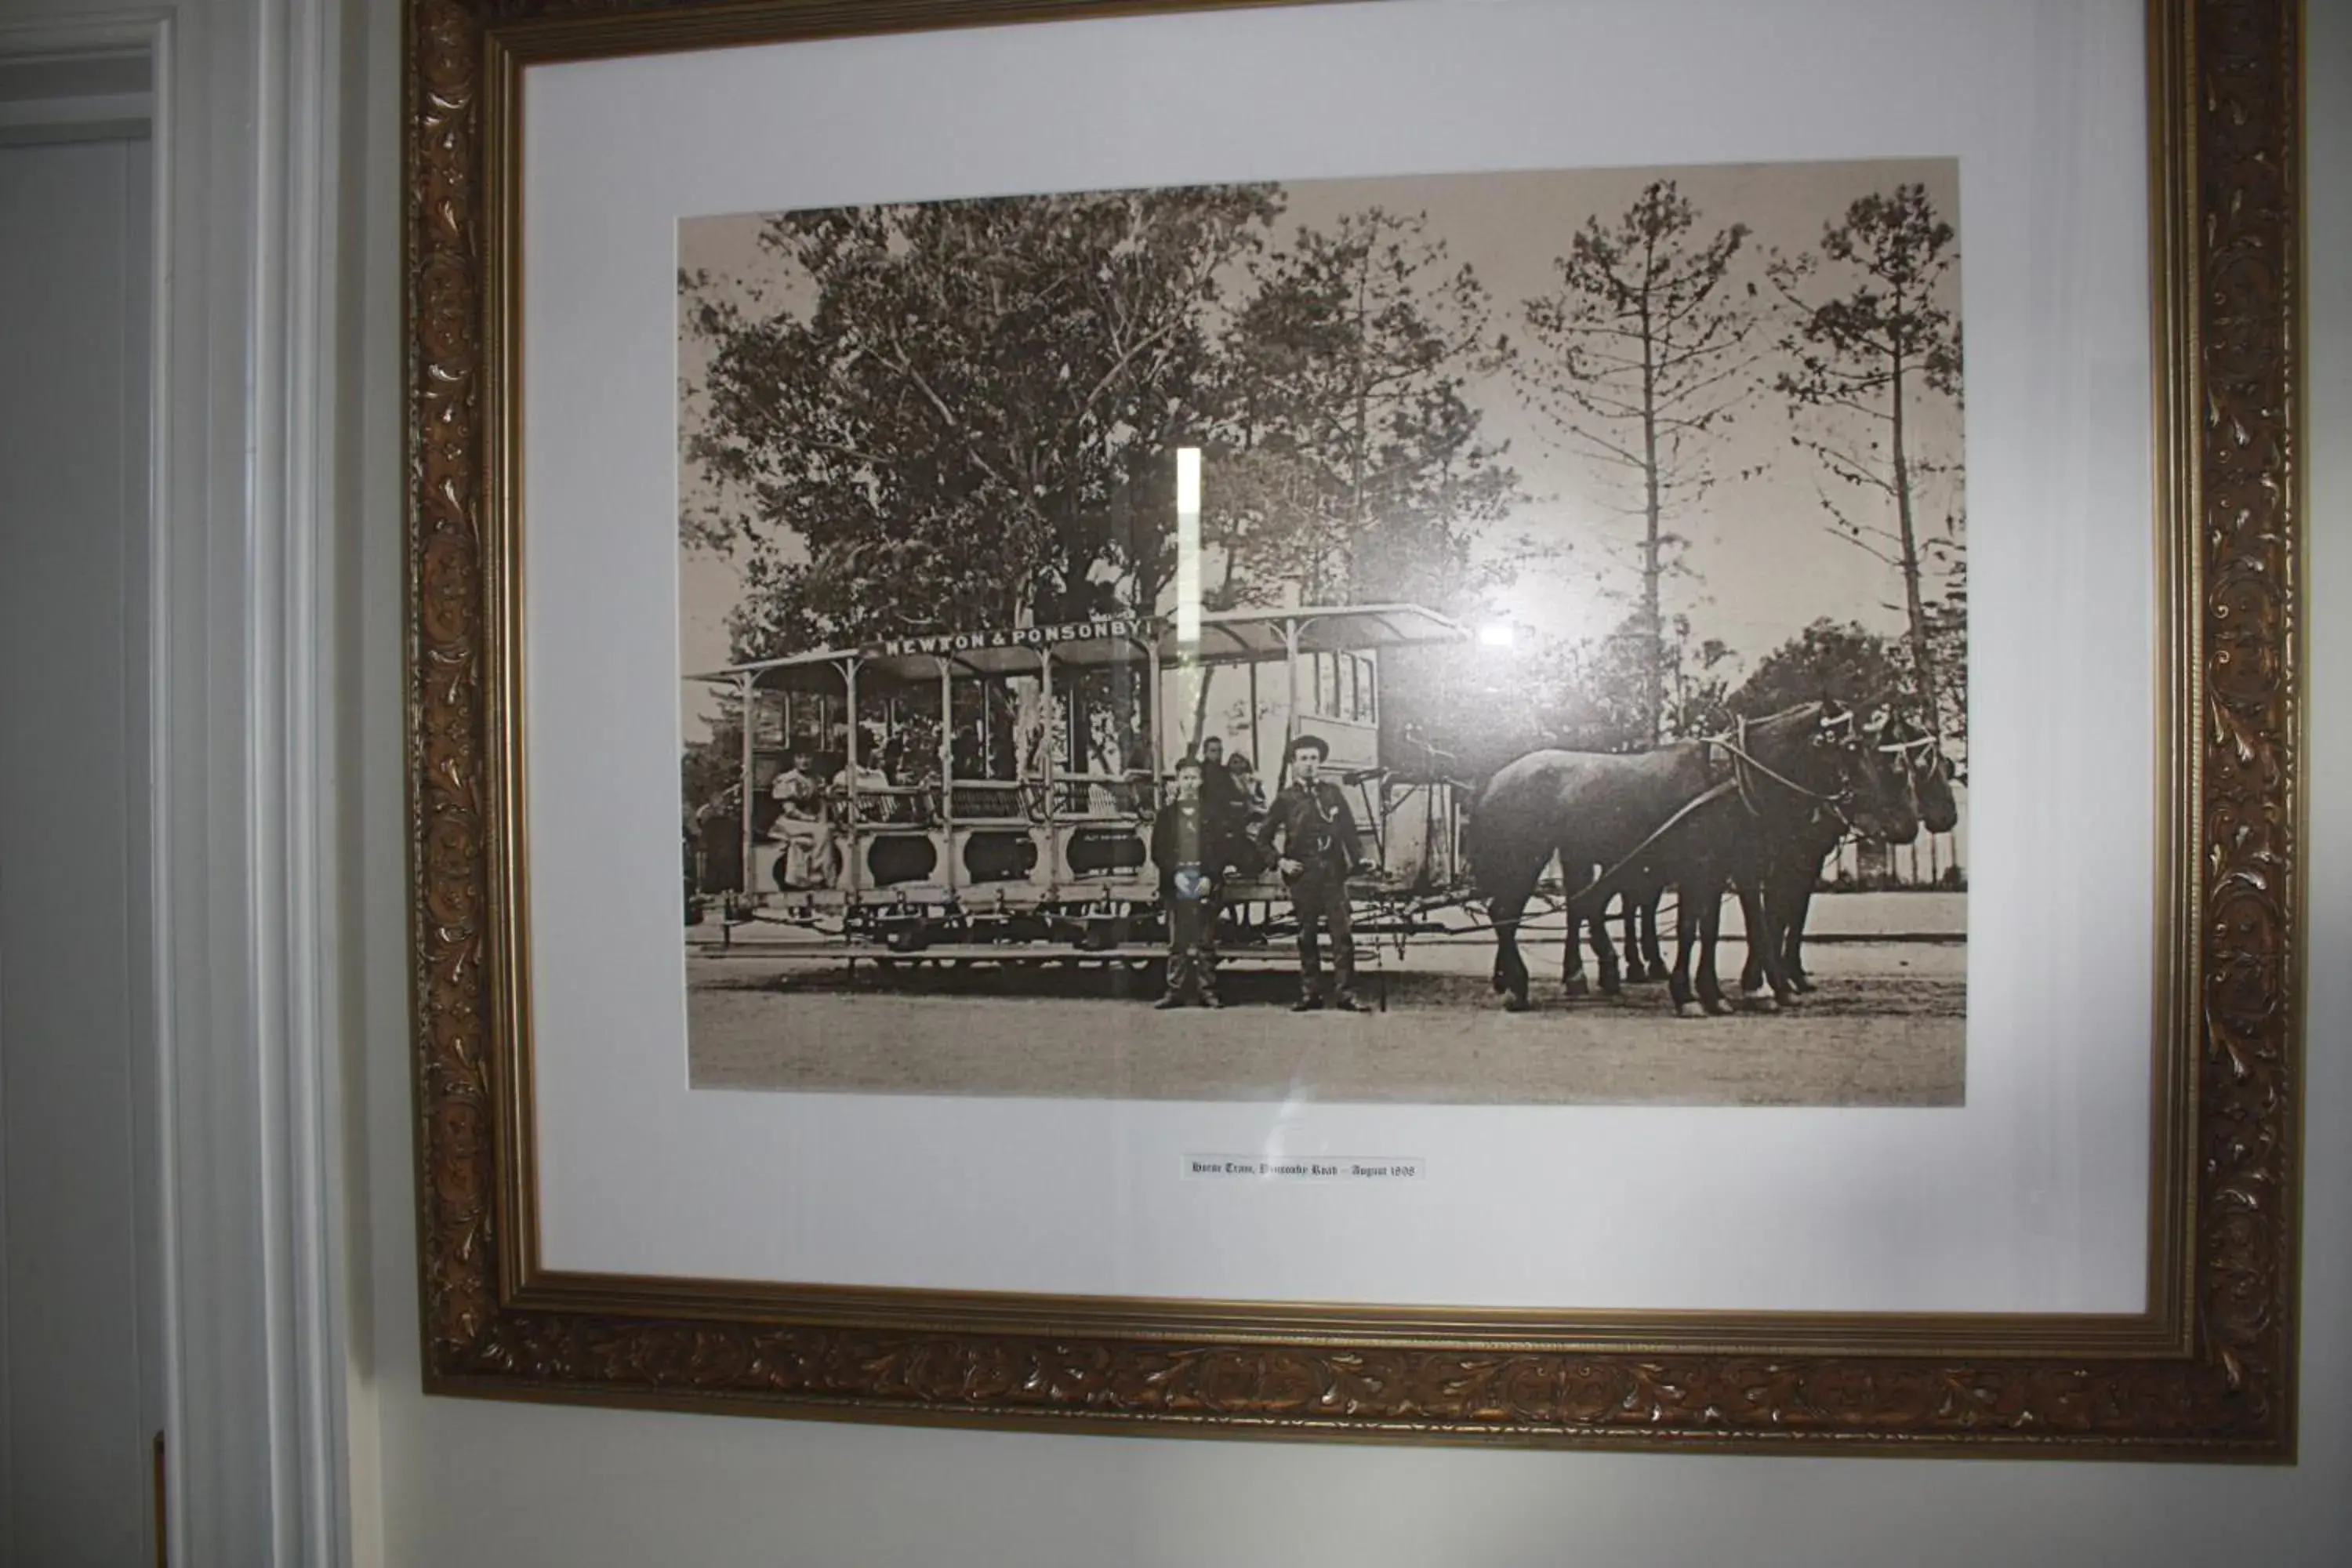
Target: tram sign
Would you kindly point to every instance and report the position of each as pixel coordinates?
(1119, 627)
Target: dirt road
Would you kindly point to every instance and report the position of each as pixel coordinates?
(1886, 1028)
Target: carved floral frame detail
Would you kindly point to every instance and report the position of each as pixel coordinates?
(2208, 1374)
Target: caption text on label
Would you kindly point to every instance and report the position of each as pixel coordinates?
(1305, 1167)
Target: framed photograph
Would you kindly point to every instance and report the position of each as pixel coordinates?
(1560, 722)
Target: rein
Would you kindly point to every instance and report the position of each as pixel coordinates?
(1600, 886)
(1577, 906)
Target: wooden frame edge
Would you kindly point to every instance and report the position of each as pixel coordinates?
(2212, 1380)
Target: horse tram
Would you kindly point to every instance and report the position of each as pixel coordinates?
(986, 798)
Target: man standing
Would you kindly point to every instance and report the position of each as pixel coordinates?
(1311, 836)
(1189, 844)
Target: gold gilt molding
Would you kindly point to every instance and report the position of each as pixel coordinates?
(2210, 1372)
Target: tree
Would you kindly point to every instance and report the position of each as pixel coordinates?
(1697, 682)
(1850, 664)
(1948, 641)
(1645, 359)
(1361, 470)
(710, 770)
(1351, 466)
(1611, 682)
(951, 420)
(1483, 706)
(1470, 708)
(1827, 661)
(710, 797)
(1864, 359)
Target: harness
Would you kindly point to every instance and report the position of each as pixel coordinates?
(1743, 767)
(1928, 765)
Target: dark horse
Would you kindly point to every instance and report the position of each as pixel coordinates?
(1700, 815)
(1796, 870)
(1640, 892)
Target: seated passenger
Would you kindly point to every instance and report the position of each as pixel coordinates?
(867, 783)
(801, 827)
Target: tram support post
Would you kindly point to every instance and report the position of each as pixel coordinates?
(947, 770)
(751, 781)
(1257, 747)
(1152, 717)
(849, 769)
(1046, 727)
(1290, 717)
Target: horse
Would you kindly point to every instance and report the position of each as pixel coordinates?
(1792, 879)
(1693, 812)
(1637, 890)
(1640, 892)
(1722, 850)
(1931, 774)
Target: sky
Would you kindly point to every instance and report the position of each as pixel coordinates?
(1764, 565)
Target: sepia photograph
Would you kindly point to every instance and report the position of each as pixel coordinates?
(1489, 638)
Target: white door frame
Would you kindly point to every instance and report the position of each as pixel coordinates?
(250, 150)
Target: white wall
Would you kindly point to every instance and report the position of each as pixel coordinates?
(449, 1483)
(80, 1295)
(245, 131)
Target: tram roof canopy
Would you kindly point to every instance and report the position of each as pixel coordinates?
(1227, 636)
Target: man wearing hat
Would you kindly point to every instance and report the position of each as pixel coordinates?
(1310, 836)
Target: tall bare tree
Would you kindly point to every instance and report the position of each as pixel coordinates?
(1875, 335)
(1642, 357)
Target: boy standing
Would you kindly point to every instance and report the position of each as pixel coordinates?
(1189, 844)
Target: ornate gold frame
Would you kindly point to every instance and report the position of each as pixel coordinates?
(2207, 1372)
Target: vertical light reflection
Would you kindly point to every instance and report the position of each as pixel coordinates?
(1188, 548)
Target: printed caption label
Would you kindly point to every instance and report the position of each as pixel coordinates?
(1305, 1168)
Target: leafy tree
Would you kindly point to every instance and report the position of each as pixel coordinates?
(1871, 339)
(1358, 470)
(1351, 467)
(1849, 663)
(1611, 681)
(1829, 659)
(1645, 359)
(710, 799)
(966, 412)
(951, 420)
(712, 770)
(1948, 642)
